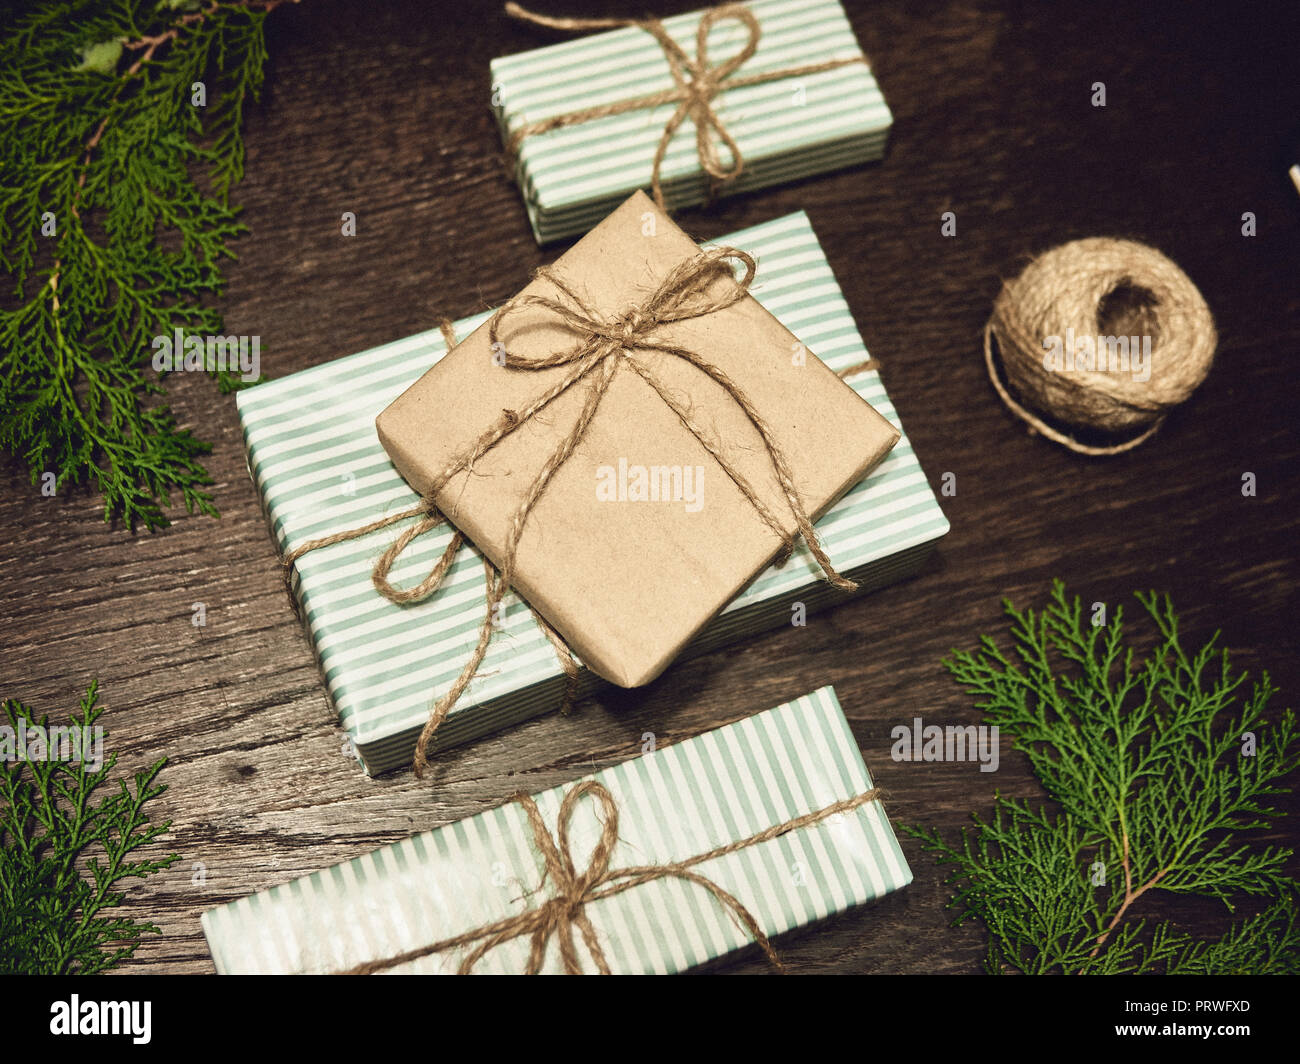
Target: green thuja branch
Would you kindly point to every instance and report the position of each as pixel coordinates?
(1156, 768)
(68, 838)
(114, 220)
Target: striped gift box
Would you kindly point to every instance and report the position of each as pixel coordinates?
(319, 468)
(786, 129)
(674, 803)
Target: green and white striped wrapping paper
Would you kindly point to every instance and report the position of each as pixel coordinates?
(319, 468)
(786, 129)
(677, 802)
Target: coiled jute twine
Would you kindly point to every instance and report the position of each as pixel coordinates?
(1098, 287)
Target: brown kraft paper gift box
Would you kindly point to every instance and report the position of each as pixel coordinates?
(628, 583)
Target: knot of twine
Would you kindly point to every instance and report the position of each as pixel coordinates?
(604, 345)
(696, 83)
(1066, 292)
(564, 912)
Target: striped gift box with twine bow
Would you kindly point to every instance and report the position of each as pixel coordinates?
(782, 800)
(769, 92)
(319, 468)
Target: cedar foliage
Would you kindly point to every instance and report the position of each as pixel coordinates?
(115, 220)
(70, 837)
(1158, 772)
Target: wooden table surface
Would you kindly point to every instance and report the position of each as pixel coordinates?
(381, 109)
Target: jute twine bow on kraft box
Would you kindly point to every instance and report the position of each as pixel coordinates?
(564, 912)
(701, 285)
(697, 83)
(1099, 290)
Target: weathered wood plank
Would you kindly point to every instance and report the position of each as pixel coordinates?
(381, 110)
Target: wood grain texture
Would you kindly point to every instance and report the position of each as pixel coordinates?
(382, 109)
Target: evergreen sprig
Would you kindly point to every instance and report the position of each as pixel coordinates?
(1155, 769)
(68, 839)
(115, 216)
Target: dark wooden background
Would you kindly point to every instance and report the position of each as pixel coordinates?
(381, 109)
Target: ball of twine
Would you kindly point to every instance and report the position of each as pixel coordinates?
(1099, 287)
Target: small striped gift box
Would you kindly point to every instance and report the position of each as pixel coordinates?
(786, 128)
(673, 804)
(319, 468)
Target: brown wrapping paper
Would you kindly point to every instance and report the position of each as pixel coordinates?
(628, 583)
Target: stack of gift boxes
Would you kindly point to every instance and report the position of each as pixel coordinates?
(635, 442)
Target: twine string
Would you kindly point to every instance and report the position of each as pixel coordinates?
(1063, 293)
(563, 915)
(696, 83)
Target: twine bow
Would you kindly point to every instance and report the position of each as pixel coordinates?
(696, 82)
(563, 915)
(604, 344)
